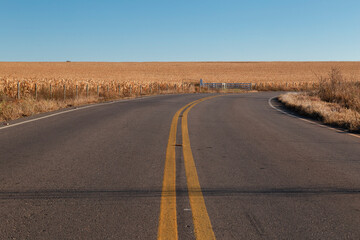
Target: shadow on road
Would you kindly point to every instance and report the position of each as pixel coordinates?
(114, 194)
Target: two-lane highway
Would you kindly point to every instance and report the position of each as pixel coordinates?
(99, 173)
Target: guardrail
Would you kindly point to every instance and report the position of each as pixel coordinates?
(245, 86)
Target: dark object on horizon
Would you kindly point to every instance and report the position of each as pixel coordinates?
(68, 61)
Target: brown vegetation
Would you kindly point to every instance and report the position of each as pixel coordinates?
(335, 102)
(175, 72)
(21, 99)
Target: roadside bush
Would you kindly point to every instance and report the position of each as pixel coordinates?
(336, 89)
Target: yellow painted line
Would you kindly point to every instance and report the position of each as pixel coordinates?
(168, 220)
(202, 224)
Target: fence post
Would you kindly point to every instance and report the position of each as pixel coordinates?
(35, 91)
(18, 90)
(77, 92)
(97, 91)
(150, 88)
(108, 89)
(158, 88)
(130, 90)
(119, 90)
(87, 90)
(64, 92)
(50, 92)
(175, 88)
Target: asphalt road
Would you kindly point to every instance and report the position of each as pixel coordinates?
(98, 173)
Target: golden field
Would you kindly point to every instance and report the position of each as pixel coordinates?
(175, 72)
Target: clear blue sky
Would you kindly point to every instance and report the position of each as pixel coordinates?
(182, 30)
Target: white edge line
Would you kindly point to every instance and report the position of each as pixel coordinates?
(309, 121)
(76, 109)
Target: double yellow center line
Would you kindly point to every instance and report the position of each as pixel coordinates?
(168, 220)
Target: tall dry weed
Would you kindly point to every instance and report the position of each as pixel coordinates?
(336, 89)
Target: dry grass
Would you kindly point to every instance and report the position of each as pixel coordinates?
(335, 102)
(335, 88)
(29, 106)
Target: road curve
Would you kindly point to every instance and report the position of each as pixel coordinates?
(97, 173)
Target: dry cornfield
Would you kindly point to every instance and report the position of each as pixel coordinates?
(84, 82)
(264, 75)
(61, 88)
(175, 72)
